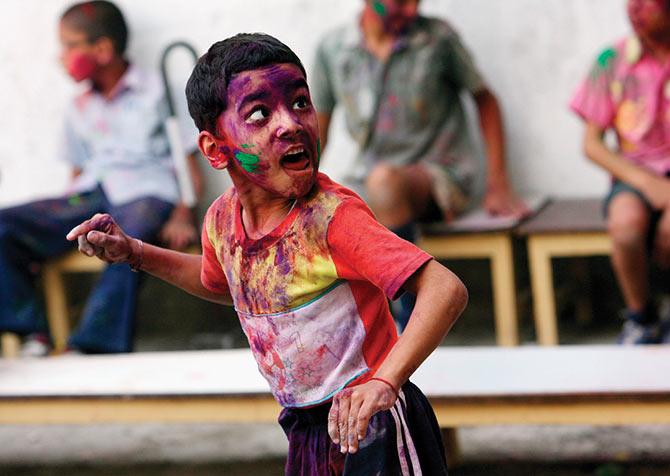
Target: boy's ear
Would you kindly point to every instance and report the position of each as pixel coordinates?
(215, 150)
(104, 50)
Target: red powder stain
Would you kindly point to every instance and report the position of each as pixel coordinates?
(89, 10)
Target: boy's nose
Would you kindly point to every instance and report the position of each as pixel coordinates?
(287, 124)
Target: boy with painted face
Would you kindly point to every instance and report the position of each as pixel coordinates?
(628, 92)
(115, 141)
(308, 269)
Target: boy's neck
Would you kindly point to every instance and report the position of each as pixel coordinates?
(660, 51)
(262, 212)
(377, 40)
(108, 77)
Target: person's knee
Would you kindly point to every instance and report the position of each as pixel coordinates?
(385, 186)
(628, 221)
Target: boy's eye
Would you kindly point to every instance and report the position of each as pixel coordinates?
(258, 114)
(301, 103)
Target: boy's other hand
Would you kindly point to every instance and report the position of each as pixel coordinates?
(501, 200)
(352, 409)
(657, 191)
(100, 236)
(179, 231)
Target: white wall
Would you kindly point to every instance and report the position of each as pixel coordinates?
(533, 52)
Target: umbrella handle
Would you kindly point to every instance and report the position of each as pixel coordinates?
(186, 189)
(164, 73)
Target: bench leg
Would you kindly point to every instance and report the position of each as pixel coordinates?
(504, 292)
(542, 283)
(451, 447)
(10, 345)
(56, 304)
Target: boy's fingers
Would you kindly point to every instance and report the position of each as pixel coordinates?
(79, 230)
(352, 424)
(344, 403)
(84, 246)
(101, 240)
(99, 221)
(363, 420)
(333, 417)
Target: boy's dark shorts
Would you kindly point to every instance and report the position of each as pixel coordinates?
(405, 439)
(654, 215)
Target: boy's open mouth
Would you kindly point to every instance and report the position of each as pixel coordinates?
(297, 159)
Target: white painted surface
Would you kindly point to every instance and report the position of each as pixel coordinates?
(533, 53)
(462, 372)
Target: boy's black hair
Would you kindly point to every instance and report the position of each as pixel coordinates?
(98, 19)
(206, 90)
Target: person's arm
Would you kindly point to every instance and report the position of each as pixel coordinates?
(654, 187)
(102, 237)
(500, 198)
(179, 230)
(440, 299)
(324, 124)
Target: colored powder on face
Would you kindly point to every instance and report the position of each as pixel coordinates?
(249, 162)
(606, 58)
(379, 8)
(318, 149)
(246, 146)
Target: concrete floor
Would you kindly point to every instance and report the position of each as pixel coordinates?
(179, 450)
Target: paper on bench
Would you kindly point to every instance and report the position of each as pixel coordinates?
(479, 219)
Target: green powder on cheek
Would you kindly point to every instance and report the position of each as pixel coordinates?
(249, 162)
(379, 8)
(318, 149)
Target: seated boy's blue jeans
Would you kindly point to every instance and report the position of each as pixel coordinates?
(35, 232)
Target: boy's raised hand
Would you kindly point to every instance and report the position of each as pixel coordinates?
(352, 410)
(100, 236)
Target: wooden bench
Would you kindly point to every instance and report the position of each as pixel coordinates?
(473, 386)
(476, 235)
(55, 297)
(564, 228)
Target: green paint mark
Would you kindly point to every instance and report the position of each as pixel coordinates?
(318, 149)
(249, 162)
(246, 146)
(606, 57)
(74, 200)
(379, 8)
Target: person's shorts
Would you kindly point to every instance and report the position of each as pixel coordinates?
(449, 195)
(654, 215)
(405, 439)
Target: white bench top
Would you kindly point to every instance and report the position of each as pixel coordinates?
(466, 372)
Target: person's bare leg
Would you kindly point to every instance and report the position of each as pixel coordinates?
(628, 225)
(398, 195)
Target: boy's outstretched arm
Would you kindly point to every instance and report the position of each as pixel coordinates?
(102, 237)
(440, 299)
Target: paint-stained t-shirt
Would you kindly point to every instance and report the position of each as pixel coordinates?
(312, 294)
(415, 96)
(121, 142)
(628, 90)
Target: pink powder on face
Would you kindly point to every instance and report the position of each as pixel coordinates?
(80, 66)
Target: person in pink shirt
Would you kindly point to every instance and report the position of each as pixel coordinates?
(628, 92)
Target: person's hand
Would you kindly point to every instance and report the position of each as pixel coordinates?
(500, 199)
(102, 237)
(352, 409)
(179, 231)
(662, 240)
(657, 191)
